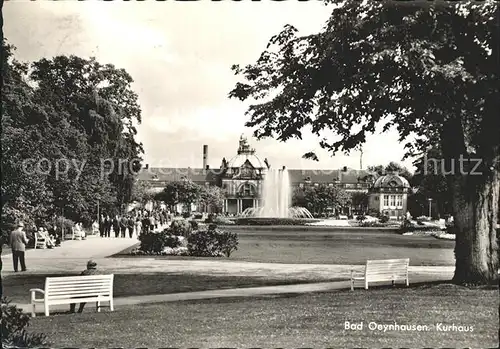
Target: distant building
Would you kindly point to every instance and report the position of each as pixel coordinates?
(389, 195)
(242, 176)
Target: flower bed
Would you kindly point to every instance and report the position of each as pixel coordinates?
(183, 239)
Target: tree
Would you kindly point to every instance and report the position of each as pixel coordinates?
(180, 192)
(391, 167)
(318, 199)
(429, 182)
(101, 104)
(142, 192)
(212, 197)
(429, 71)
(63, 113)
(359, 200)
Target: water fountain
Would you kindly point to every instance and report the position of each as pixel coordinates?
(277, 198)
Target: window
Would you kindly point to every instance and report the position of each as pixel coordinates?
(386, 200)
(392, 201)
(247, 190)
(399, 201)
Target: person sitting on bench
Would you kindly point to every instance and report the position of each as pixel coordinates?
(91, 270)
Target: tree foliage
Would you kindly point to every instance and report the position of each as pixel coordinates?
(391, 167)
(430, 72)
(213, 197)
(71, 116)
(318, 199)
(180, 192)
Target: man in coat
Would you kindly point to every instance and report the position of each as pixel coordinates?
(91, 270)
(17, 242)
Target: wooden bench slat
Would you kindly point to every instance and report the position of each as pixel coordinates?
(55, 282)
(82, 284)
(80, 300)
(77, 291)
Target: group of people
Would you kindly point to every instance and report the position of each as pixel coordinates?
(134, 223)
(51, 240)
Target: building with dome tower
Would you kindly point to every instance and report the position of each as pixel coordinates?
(389, 194)
(242, 177)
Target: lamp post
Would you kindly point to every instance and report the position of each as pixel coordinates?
(430, 207)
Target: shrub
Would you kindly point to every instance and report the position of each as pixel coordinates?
(198, 216)
(180, 227)
(186, 215)
(212, 243)
(423, 219)
(373, 224)
(194, 225)
(384, 219)
(156, 242)
(62, 222)
(222, 221)
(210, 218)
(360, 218)
(274, 221)
(373, 213)
(14, 324)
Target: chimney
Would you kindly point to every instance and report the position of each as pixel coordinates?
(205, 156)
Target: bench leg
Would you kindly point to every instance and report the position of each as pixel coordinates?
(111, 305)
(46, 306)
(33, 309)
(98, 306)
(352, 285)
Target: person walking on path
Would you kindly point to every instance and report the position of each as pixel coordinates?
(102, 227)
(123, 226)
(17, 242)
(116, 226)
(138, 226)
(91, 270)
(108, 224)
(145, 224)
(131, 226)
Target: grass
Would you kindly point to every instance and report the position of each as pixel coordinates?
(310, 320)
(334, 247)
(16, 287)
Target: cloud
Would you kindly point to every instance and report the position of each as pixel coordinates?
(180, 55)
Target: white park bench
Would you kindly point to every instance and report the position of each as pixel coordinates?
(383, 270)
(40, 241)
(74, 289)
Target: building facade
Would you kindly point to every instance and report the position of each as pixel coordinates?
(242, 178)
(389, 195)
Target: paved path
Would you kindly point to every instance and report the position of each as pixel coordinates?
(73, 255)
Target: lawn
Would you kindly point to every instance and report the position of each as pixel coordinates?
(16, 287)
(310, 320)
(335, 247)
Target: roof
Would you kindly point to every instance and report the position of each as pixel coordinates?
(240, 159)
(171, 174)
(391, 180)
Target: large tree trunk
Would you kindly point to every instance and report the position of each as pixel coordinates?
(475, 198)
(475, 204)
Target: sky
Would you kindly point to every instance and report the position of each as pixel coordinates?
(179, 55)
